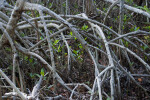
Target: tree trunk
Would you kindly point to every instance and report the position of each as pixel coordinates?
(88, 7)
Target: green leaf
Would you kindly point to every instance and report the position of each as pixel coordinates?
(80, 46)
(131, 64)
(75, 38)
(71, 33)
(50, 4)
(126, 43)
(108, 99)
(108, 37)
(85, 38)
(31, 60)
(84, 27)
(64, 4)
(26, 58)
(37, 75)
(42, 72)
(125, 17)
(59, 49)
(10, 67)
(134, 28)
(31, 75)
(145, 57)
(54, 47)
(55, 42)
(137, 28)
(129, 1)
(75, 52)
(41, 38)
(89, 92)
(144, 8)
(144, 47)
(147, 27)
(147, 9)
(8, 49)
(22, 35)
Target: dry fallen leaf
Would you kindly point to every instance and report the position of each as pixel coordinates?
(139, 79)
